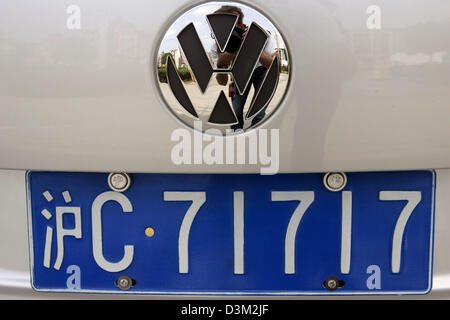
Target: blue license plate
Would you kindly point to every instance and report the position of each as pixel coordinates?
(242, 234)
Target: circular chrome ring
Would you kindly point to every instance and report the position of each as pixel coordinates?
(222, 65)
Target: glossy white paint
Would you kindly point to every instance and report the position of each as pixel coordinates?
(359, 99)
(87, 100)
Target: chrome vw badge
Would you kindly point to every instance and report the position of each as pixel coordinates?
(224, 65)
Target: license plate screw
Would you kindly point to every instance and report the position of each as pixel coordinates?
(149, 232)
(333, 283)
(124, 282)
(119, 181)
(335, 181)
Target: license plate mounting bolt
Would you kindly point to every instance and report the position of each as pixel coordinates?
(333, 283)
(335, 181)
(125, 282)
(119, 181)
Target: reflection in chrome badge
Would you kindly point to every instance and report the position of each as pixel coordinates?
(224, 64)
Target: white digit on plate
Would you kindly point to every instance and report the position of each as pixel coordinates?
(413, 198)
(198, 199)
(305, 198)
(346, 231)
(97, 245)
(238, 232)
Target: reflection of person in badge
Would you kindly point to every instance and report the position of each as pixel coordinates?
(224, 60)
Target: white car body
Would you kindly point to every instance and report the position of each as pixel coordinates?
(361, 98)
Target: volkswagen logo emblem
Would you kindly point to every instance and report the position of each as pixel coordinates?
(224, 64)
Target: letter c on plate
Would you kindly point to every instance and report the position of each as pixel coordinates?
(97, 245)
